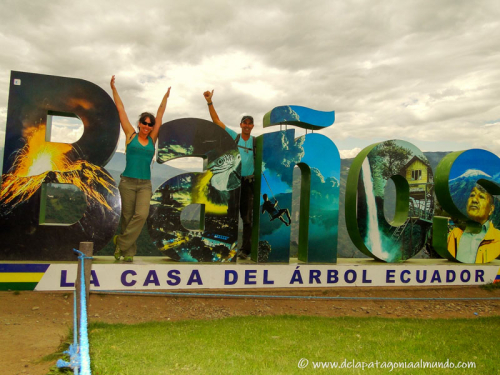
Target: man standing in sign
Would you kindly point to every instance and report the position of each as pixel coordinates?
(481, 247)
(246, 146)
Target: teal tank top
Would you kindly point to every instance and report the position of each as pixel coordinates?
(138, 158)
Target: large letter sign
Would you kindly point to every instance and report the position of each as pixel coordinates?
(465, 184)
(30, 161)
(216, 189)
(319, 162)
(368, 228)
(466, 227)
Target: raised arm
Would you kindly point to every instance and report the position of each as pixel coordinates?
(127, 127)
(213, 114)
(159, 116)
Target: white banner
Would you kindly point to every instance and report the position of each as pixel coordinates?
(197, 276)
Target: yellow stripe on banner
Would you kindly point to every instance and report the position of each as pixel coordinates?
(20, 277)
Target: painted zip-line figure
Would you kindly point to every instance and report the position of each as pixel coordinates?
(135, 181)
(275, 213)
(246, 146)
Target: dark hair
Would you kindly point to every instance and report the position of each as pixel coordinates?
(145, 115)
(264, 196)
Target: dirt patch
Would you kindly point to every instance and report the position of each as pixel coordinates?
(35, 323)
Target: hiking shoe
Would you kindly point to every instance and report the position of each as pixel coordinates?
(128, 259)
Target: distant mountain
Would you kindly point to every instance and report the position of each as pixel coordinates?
(346, 249)
(471, 173)
(435, 157)
(117, 163)
(159, 173)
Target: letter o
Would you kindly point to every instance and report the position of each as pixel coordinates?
(354, 276)
(462, 276)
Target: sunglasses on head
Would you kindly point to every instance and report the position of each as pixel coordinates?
(143, 122)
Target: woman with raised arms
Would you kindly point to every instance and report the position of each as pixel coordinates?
(135, 182)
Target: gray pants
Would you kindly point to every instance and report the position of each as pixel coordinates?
(135, 196)
(246, 210)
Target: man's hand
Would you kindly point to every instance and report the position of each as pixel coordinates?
(213, 114)
(208, 96)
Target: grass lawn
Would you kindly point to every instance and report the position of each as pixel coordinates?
(275, 345)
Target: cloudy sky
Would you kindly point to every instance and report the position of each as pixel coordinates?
(427, 72)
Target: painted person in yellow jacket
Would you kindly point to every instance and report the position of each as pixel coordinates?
(481, 247)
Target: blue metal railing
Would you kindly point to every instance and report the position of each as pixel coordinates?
(79, 350)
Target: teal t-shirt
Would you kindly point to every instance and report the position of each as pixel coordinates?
(138, 158)
(246, 152)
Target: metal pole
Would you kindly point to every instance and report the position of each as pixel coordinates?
(86, 248)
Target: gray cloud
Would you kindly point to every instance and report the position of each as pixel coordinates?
(423, 71)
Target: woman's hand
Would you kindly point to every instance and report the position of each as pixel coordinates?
(127, 127)
(159, 116)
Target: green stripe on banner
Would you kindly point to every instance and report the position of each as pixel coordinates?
(18, 286)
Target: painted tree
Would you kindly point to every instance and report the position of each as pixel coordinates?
(394, 158)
